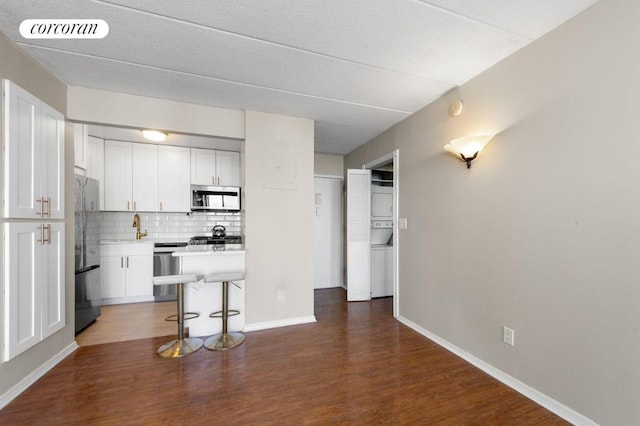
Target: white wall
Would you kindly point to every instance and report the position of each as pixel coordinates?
(21, 69)
(278, 191)
(543, 233)
(328, 164)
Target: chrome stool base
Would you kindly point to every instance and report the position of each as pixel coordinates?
(180, 347)
(223, 342)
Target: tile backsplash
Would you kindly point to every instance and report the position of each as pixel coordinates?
(117, 225)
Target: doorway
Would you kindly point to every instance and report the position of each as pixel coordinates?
(328, 259)
(370, 226)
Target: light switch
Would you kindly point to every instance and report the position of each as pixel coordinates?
(402, 223)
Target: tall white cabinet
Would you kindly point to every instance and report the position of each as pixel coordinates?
(34, 255)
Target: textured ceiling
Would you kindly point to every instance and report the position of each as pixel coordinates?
(356, 67)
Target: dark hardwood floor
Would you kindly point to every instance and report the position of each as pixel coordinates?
(356, 365)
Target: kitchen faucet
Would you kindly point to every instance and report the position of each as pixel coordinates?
(136, 224)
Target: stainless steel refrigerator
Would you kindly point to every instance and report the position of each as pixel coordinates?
(87, 251)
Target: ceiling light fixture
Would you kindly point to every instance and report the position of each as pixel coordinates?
(154, 135)
(468, 147)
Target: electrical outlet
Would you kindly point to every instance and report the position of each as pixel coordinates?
(402, 223)
(280, 295)
(508, 336)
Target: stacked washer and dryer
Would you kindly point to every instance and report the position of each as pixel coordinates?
(381, 240)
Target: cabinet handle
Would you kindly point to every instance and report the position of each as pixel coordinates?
(135, 207)
(41, 240)
(127, 262)
(121, 262)
(213, 180)
(48, 229)
(40, 213)
(160, 205)
(48, 212)
(128, 203)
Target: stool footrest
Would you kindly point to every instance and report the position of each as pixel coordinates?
(230, 313)
(186, 316)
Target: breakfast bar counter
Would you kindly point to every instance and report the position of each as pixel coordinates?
(205, 298)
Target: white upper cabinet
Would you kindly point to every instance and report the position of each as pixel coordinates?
(34, 156)
(95, 164)
(145, 177)
(118, 163)
(203, 166)
(80, 140)
(174, 166)
(228, 168)
(210, 167)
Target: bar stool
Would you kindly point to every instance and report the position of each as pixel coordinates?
(181, 346)
(225, 340)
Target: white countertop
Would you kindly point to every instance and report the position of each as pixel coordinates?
(204, 250)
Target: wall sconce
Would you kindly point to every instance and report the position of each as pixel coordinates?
(154, 135)
(468, 147)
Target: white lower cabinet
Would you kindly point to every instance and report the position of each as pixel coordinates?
(34, 284)
(126, 272)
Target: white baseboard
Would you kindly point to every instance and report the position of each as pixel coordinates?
(279, 323)
(550, 404)
(40, 371)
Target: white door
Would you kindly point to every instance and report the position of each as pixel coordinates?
(117, 176)
(144, 177)
(358, 234)
(328, 233)
(174, 182)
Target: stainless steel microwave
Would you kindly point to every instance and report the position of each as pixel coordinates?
(215, 198)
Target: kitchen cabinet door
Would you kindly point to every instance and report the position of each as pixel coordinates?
(22, 162)
(144, 177)
(35, 289)
(118, 179)
(80, 144)
(112, 276)
(139, 272)
(95, 164)
(174, 181)
(52, 171)
(22, 314)
(203, 166)
(53, 281)
(228, 168)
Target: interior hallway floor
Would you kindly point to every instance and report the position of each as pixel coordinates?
(356, 365)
